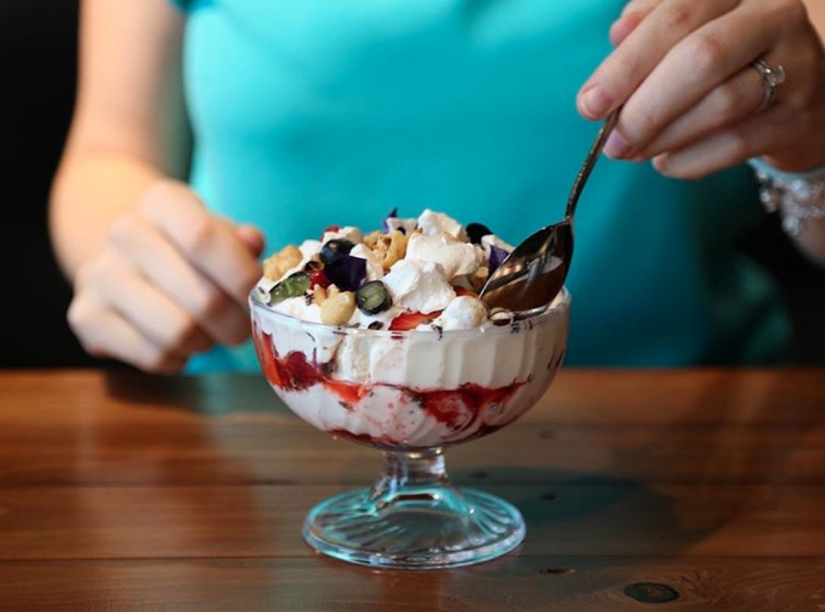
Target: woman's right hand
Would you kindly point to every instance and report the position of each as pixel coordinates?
(172, 280)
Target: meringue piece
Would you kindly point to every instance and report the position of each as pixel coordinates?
(464, 312)
(353, 234)
(418, 286)
(493, 240)
(456, 258)
(406, 226)
(434, 223)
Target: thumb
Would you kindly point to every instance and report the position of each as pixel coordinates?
(252, 237)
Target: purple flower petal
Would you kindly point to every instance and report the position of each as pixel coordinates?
(497, 256)
(346, 272)
(384, 225)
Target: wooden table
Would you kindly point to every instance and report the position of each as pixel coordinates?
(704, 490)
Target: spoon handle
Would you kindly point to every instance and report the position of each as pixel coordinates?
(589, 162)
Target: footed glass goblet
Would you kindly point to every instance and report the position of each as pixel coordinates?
(411, 394)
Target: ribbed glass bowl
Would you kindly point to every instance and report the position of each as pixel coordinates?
(410, 395)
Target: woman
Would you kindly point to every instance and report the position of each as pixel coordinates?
(319, 112)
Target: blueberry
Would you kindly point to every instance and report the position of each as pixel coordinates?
(476, 231)
(373, 297)
(334, 249)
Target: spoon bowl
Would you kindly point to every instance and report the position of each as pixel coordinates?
(530, 278)
(534, 273)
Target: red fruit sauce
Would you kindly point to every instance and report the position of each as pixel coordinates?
(450, 406)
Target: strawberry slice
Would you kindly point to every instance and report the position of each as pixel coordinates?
(268, 357)
(461, 291)
(410, 320)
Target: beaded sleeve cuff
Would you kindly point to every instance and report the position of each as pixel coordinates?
(797, 197)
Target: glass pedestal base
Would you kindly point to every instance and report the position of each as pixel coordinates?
(414, 518)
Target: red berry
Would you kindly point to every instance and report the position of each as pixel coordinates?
(318, 278)
(410, 320)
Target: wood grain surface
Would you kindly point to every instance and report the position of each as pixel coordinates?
(676, 490)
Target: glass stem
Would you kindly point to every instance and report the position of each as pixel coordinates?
(418, 474)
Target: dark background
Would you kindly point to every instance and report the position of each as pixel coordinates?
(37, 64)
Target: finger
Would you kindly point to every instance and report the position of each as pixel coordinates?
(772, 130)
(623, 70)
(643, 7)
(632, 15)
(730, 102)
(151, 312)
(624, 26)
(208, 245)
(252, 237)
(247, 233)
(700, 62)
(218, 315)
(103, 333)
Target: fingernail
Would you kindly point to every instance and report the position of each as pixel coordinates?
(616, 147)
(660, 164)
(595, 103)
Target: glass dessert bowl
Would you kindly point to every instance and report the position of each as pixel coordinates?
(411, 394)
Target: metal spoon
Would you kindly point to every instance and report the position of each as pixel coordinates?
(534, 273)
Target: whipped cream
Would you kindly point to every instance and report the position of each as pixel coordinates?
(424, 264)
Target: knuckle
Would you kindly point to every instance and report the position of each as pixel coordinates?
(795, 12)
(213, 304)
(121, 230)
(737, 147)
(78, 315)
(706, 51)
(641, 124)
(678, 15)
(105, 273)
(199, 237)
(186, 335)
(730, 99)
(159, 194)
(81, 318)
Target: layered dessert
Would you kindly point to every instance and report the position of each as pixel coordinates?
(381, 337)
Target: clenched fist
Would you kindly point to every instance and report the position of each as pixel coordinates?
(172, 280)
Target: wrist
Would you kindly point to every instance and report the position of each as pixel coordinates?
(797, 196)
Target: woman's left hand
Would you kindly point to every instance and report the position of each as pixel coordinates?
(683, 73)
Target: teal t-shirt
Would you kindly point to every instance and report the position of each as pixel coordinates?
(309, 113)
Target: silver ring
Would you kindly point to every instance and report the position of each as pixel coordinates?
(772, 77)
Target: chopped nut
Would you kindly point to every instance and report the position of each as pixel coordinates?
(390, 248)
(372, 238)
(478, 278)
(502, 316)
(276, 265)
(319, 295)
(337, 309)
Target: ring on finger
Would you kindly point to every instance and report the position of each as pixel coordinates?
(772, 77)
